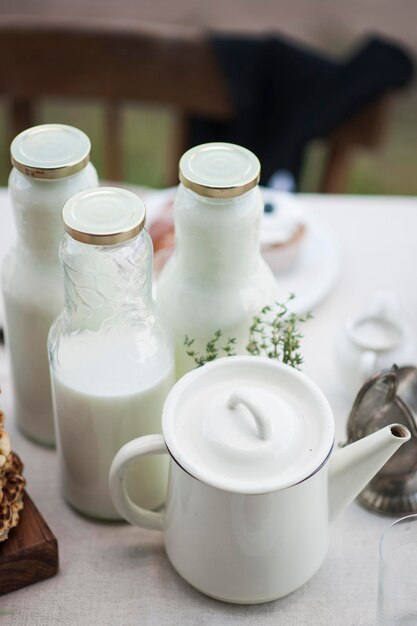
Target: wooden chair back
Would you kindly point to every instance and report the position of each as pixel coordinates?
(153, 64)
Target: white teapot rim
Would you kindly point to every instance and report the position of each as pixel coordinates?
(224, 447)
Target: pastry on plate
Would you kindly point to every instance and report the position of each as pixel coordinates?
(283, 232)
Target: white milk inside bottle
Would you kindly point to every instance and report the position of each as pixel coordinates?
(100, 406)
(111, 363)
(51, 163)
(217, 279)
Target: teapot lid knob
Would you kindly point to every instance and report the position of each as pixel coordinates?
(263, 423)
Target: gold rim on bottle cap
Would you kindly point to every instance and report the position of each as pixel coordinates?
(50, 151)
(104, 216)
(219, 170)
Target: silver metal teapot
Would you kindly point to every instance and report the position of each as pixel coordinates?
(389, 396)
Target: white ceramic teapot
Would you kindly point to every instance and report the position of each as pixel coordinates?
(252, 487)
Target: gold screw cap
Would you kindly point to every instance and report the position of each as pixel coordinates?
(105, 216)
(50, 151)
(219, 170)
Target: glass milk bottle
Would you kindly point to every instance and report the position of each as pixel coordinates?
(111, 362)
(51, 163)
(216, 278)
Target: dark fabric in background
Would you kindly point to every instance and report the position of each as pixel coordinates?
(285, 95)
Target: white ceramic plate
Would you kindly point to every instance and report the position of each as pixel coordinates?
(317, 267)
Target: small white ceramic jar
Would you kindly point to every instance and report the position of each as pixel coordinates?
(112, 364)
(216, 278)
(376, 338)
(51, 164)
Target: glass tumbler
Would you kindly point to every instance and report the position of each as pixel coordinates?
(397, 593)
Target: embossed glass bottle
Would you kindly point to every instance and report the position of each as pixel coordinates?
(111, 362)
(51, 163)
(217, 278)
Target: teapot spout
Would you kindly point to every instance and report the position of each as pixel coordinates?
(352, 467)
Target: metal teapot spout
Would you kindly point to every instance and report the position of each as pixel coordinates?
(352, 467)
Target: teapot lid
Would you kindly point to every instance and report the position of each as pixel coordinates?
(248, 425)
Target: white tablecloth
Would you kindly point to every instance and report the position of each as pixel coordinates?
(114, 574)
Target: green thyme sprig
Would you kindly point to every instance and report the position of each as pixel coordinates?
(275, 334)
(213, 348)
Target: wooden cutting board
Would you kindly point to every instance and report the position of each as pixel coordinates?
(30, 553)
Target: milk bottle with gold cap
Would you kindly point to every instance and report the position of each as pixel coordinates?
(111, 362)
(216, 279)
(51, 163)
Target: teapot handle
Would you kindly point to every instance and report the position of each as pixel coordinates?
(136, 515)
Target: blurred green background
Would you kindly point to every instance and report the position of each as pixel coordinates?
(392, 169)
(389, 169)
(332, 27)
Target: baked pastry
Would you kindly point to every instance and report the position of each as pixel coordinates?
(162, 233)
(281, 243)
(283, 232)
(5, 447)
(162, 229)
(12, 484)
